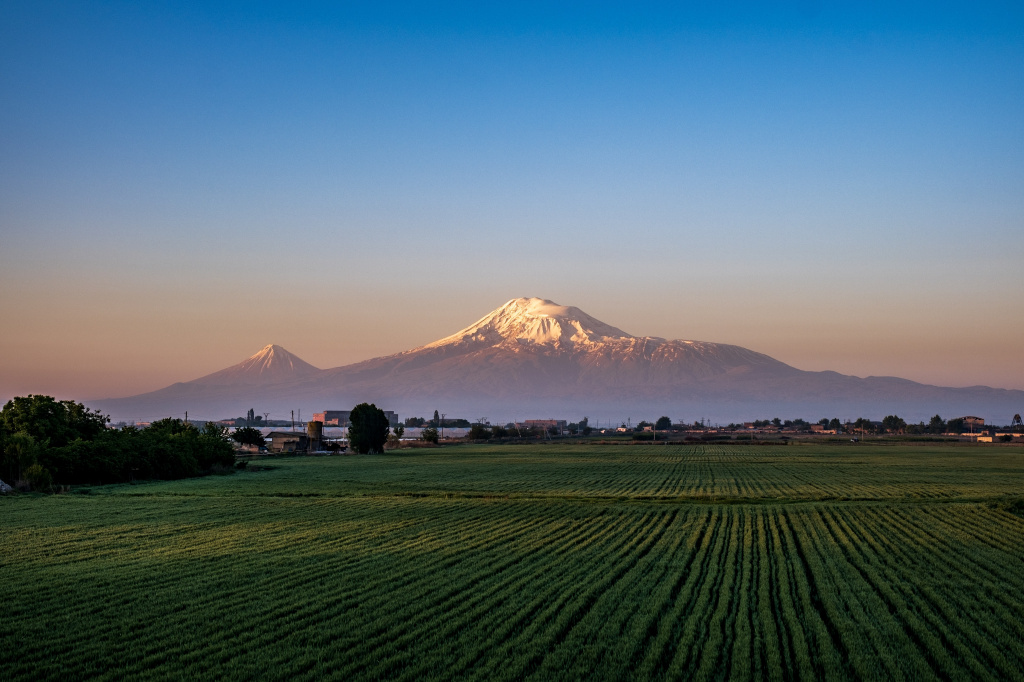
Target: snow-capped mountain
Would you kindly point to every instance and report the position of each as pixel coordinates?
(534, 357)
(533, 321)
(272, 365)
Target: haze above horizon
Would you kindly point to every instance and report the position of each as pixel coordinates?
(837, 186)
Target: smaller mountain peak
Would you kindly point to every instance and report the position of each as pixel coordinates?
(270, 349)
(270, 364)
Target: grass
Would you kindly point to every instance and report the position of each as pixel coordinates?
(547, 562)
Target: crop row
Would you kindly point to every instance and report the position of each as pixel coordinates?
(415, 588)
(697, 472)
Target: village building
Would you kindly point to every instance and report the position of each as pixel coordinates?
(546, 424)
(341, 417)
(287, 441)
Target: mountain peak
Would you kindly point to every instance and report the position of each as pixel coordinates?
(534, 322)
(272, 364)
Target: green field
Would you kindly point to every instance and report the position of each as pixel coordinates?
(508, 562)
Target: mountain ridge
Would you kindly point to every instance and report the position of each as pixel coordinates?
(534, 356)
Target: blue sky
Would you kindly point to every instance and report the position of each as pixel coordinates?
(840, 186)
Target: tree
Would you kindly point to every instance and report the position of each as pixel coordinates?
(863, 425)
(395, 437)
(894, 424)
(429, 434)
(49, 422)
(65, 443)
(956, 425)
(20, 452)
(834, 425)
(437, 420)
(249, 436)
(367, 429)
(215, 430)
(478, 432)
(663, 424)
(936, 425)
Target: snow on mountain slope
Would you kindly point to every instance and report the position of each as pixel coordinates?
(538, 326)
(272, 364)
(533, 321)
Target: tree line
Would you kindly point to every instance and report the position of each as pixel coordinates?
(45, 443)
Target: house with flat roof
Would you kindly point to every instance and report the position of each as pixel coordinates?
(287, 441)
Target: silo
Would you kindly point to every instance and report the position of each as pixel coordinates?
(315, 431)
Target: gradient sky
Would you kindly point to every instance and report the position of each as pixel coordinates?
(840, 186)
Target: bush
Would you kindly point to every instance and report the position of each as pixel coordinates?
(429, 435)
(478, 432)
(38, 478)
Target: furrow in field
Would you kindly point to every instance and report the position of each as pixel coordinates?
(626, 636)
(1011, 527)
(577, 644)
(421, 597)
(552, 625)
(325, 606)
(977, 643)
(790, 604)
(667, 627)
(651, 628)
(608, 541)
(777, 651)
(709, 607)
(868, 638)
(932, 651)
(1004, 573)
(283, 578)
(491, 589)
(828, 652)
(720, 633)
(736, 658)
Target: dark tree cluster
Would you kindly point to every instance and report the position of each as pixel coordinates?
(368, 429)
(437, 422)
(46, 442)
(248, 435)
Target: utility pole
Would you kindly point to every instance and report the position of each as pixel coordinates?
(293, 420)
(442, 426)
